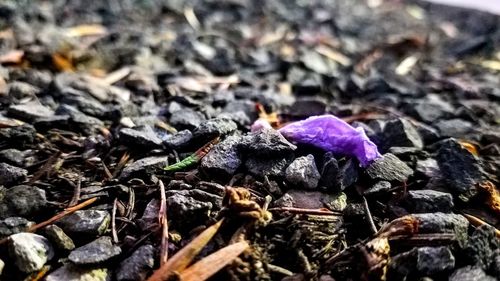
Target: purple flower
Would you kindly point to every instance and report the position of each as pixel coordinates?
(333, 134)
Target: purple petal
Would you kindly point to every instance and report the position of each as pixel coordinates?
(333, 134)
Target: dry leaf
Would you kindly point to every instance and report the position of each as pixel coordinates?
(86, 30)
(62, 63)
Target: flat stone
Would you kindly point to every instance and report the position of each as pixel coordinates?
(312, 200)
(144, 165)
(140, 137)
(13, 157)
(85, 222)
(14, 225)
(178, 140)
(389, 168)
(186, 118)
(57, 236)
(29, 251)
(223, 159)
(10, 175)
(470, 273)
(459, 169)
(428, 167)
(443, 223)
(401, 133)
(95, 252)
(261, 166)
(428, 201)
(29, 111)
(379, 188)
(303, 173)
(266, 142)
(211, 128)
(138, 265)
(79, 120)
(455, 128)
(69, 272)
(23, 201)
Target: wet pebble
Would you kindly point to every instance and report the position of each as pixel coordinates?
(29, 251)
(95, 252)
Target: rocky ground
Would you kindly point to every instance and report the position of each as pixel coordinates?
(97, 98)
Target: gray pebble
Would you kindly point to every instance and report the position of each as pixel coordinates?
(23, 201)
(14, 225)
(137, 266)
(428, 201)
(144, 165)
(302, 172)
(223, 159)
(95, 252)
(10, 175)
(389, 168)
(85, 222)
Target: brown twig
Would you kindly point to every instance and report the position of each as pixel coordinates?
(59, 216)
(76, 193)
(164, 223)
(369, 216)
(478, 222)
(46, 167)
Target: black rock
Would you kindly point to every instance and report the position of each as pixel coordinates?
(223, 159)
(480, 248)
(85, 223)
(470, 273)
(348, 174)
(455, 128)
(312, 200)
(424, 261)
(140, 137)
(138, 265)
(178, 140)
(459, 169)
(95, 252)
(19, 90)
(242, 112)
(186, 118)
(266, 142)
(261, 166)
(10, 175)
(149, 218)
(495, 265)
(307, 107)
(389, 168)
(429, 134)
(443, 223)
(23, 201)
(428, 167)
(13, 156)
(30, 111)
(381, 187)
(209, 129)
(402, 133)
(144, 165)
(85, 103)
(188, 211)
(54, 121)
(303, 173)
(78, 120)
(430, 110)
(329, 172)
(428, 201)
(14, 225)
(19, 135)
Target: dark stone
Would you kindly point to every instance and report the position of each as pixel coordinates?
(241, 111)
(85, 223)
(470, 273)
(144, 165)
(348, 174)
(188, 211)
(389, 168)
(13, 156)
(199, 195)
(261, 166)
(95, 252)
(14, 225)
(428, 167)
(54, 121)
(329, 172)
(10, 175)
(30, 111)
(138, 265)
(495, 265)
(381, 187)
(186, 118)
(85, 103)
(19, 135)
(428, 201)
(455, 128)
(312, 200)
(307, 107)
(23, 201)
(140, 137)
(223, 159)
(429, 134)
(266, 142)
(19, 90)
(57, 236)
(480, 248)
(178, 140)
(431, 110)
(459, 169)
(149, 218)
(424, 261)
(443, 223)
(209, 129)
(401, 133)
(79, 120)
(303, 173)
